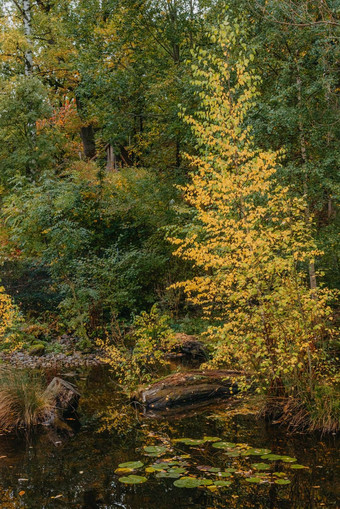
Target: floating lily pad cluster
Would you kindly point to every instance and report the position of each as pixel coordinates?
(188, 473)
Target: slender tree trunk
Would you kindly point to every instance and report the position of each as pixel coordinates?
(303, 151)
(87, 135)
(26, 10)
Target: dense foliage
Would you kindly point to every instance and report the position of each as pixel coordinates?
(100, 101)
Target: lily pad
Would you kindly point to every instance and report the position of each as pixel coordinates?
(288, 459)
(211, 439)
(233, 454)
(168, 475)
(205, 482)
(133, 479)
(255, 452)
(177, 470)
(224, 474)
(296, 466)
(190, 441)
(155, 450)
(222, 483)
(271, 457)
(131, 464)
(231, 469)
(123, 471)
(254, 479)
(160, 466)
(188, 482)
(260, 466)
(282, 481)
(223, 445)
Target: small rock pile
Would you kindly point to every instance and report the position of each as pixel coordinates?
(51, 360)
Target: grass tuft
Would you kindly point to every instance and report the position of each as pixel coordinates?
(24, 402)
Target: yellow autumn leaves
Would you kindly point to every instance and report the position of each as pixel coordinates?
(249, 238)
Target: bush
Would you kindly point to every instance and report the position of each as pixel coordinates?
(9, 320)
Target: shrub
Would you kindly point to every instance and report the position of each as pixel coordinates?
(9, 319)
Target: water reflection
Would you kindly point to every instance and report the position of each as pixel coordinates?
(55, 470)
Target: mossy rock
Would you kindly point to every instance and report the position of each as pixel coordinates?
(37, 349)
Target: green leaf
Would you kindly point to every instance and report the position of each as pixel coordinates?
(223, 445)
(189, 441)
(168, 475)
(254, 480)
(222, 483)
(282, 481)
(131, 464)
(155, 450)
(288, 459)
(260, 466)
(271, 457)
(296, 466)
(188, 482)
(255, 452)
(133, 479)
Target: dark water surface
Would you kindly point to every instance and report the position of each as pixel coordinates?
(79, 470)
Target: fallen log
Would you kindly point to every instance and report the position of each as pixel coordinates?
(188, 388)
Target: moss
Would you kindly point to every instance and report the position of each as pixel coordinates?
(37, 349)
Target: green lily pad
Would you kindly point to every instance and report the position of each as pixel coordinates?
(189, 441)
(177, 470)
(211, 439)
(233, 454)
(224, 474)
(254, 479)
(260, 466)
(168, 475)
(155, 450)
(214, 469)
(222, 483)
(160, 466)
(188, 482)
(131, 464)
(255, 452)
(296, 466)
(231, 469)
(288, 459)
(205, 482)
(271, 457)
(223, 445)
(282, 481)
(133, 479)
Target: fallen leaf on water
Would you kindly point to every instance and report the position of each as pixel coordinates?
(58, 496)
(21, 493)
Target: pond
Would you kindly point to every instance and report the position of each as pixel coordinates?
(57, 469)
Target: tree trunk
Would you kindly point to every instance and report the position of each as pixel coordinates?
(26, 10)
(89, 144)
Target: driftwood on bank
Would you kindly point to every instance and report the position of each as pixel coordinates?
(188, 387)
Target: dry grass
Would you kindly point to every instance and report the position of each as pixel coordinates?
(24, 403)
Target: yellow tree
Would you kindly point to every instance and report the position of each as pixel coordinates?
(248, 237)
